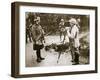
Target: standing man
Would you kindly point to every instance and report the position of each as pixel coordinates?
(37, 35)
(73, 34)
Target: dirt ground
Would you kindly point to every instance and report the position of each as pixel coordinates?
(51, 57)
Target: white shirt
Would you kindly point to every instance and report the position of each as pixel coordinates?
(74, 34)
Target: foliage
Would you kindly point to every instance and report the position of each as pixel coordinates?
(50, 22)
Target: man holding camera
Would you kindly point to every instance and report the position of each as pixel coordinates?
(73, 35)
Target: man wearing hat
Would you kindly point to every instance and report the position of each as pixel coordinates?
(37, 35)
(73, 34)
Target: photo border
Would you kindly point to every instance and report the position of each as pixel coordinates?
(15, 32)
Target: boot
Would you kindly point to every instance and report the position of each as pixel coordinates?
(38, 60)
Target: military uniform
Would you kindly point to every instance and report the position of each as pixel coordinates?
(37, 36)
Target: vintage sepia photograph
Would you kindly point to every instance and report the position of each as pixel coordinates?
(52, 39)
(56, 39)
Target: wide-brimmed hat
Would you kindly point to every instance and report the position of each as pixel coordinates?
(73, 20)
(36, 20)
